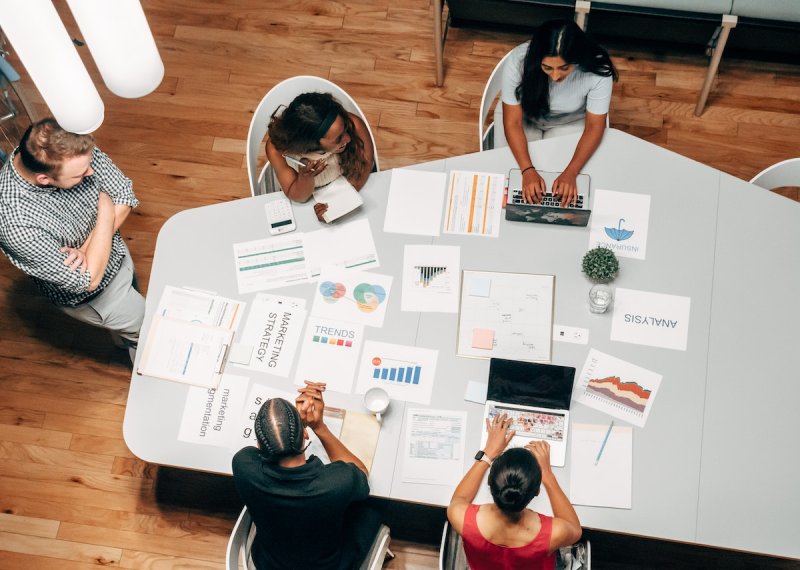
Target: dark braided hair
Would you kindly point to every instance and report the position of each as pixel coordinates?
(514, 481)
(279, 429)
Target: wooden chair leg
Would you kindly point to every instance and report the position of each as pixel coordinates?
(582, 8)
(728, 23)
(438, 45)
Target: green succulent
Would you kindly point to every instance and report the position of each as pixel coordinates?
(600, 264)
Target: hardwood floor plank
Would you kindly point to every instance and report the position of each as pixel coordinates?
(35, 436)
(202, 545)
(138, 560)
(59, 549)
(18, 524)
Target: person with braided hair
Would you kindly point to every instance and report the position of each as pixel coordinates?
(283, 490)
(506, 535)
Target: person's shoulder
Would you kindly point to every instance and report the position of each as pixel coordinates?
(245, 457)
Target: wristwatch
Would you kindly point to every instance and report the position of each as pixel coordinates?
(481, 456)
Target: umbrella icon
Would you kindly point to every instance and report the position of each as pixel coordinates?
(618, 233)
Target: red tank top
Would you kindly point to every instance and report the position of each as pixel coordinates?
(484, 555)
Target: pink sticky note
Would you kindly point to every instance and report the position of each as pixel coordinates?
(483, 338)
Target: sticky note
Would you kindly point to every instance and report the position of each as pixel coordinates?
(483, 338)
(240, 354)
(476, 392)
(480, 286)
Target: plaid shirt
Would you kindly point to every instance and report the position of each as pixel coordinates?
(36, 222)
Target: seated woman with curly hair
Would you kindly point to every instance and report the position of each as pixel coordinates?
(313, 142)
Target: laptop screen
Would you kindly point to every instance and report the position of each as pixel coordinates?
(530, 384)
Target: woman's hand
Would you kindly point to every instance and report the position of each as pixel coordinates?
(310, 404)
(312, 168)
(566, 187)
(319, 210)
(499, 435)
(541, 451)
(533, 186)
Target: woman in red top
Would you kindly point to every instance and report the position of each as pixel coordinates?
(505, 534)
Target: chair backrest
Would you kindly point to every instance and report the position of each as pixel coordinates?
(451, 550)
(282, 94)
(785, 173)
(377, 553)
(240, 542)
(490, 93)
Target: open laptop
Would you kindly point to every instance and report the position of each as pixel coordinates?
(549, 211)
(536, 397)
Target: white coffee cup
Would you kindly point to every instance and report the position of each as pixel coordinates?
(377, 401)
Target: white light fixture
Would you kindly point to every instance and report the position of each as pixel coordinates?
(46, 50)
(121, 44)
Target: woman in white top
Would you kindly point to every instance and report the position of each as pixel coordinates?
(313, 142)
(557, 83)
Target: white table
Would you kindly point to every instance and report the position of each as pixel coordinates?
(704, 459)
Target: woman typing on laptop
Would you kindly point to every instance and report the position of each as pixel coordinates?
(313, 142)
(505, 534)
(558, 83)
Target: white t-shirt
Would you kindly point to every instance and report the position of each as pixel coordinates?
(570, 99)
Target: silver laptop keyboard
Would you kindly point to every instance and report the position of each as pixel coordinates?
(534, 425)
(547, 200)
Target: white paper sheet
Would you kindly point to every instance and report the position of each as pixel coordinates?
(435, 447)
(273, 329)
(616, 387)
(609, 482)
(476, 392)
(652, 319)
(213, 416)
(349, 295)
(518, 310)
(340, 196)
(197, 306)
(269, 263)
(431, 278)
(349, 246)
(406, 372)
(407, 190)
(330, 353)
(474, 203)
(619, 222)
(190, 353)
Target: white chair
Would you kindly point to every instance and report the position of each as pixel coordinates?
(263, 180)
(490, 93)
(379, 550)
(785, 173)
(240, 544)
(451, 550)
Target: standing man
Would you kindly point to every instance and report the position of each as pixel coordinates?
(62, 202)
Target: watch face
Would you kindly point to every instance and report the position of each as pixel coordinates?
(479, 455)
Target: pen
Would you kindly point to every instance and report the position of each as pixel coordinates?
(605, 439)
(299, 163)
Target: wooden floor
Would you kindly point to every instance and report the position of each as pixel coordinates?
(72, 496)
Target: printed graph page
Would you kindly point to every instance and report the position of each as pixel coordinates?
(474, 203)
(616, 387)
(269, 263)
(431, 275)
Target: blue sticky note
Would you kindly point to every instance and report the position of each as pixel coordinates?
(480, 286)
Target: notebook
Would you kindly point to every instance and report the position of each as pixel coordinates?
(549, 211)
(536, 397)
(340, 196)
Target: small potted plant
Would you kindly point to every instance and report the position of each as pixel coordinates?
(601, 266)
